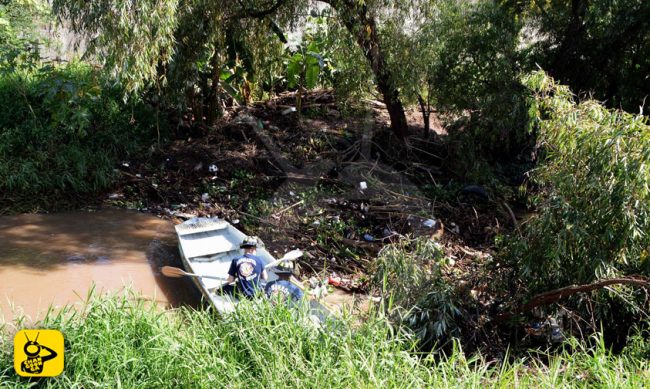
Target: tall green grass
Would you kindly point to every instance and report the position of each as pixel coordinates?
(120, 342)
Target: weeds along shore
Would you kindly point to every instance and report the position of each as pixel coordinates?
(123, 341)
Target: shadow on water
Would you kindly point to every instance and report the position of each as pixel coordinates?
(55, 258)
(178, 291)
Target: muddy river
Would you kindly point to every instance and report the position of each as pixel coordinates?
(56, 259)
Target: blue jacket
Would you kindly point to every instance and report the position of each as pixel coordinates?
(247, 269)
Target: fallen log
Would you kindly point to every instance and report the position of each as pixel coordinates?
(556, 295)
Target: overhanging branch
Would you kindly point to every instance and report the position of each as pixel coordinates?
(258, 14)
(556, 295)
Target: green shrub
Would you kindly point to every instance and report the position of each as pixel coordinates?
(61, 132)
(411, 275)
(593, 201)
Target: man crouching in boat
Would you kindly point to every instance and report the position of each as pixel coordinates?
(247, 269)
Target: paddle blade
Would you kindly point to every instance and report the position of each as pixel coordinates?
(291, 255)
(174, 272)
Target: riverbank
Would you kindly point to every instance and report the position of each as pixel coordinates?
(118, 341)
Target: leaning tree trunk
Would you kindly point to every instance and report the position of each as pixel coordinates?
(363, 27)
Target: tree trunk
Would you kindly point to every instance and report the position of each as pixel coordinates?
(213, 99)
(426, 113)
(363, 27)
(567, 53)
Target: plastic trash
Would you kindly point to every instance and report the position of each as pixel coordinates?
(313, 282)
(556, 331)
(476, 190)
(368, 238)
(334, 281)
(429, 223)
(363, 185)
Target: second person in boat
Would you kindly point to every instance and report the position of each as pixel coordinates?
(247, 270)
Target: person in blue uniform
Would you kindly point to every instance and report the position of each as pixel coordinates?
(248, 269)
(283, 289)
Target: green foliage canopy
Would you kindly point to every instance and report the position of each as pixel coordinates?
(594, 205)
(20, 39)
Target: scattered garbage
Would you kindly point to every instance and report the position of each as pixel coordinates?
(368, 238)
(536, 328)
(334, 280)
(289, 110)
(181, 215)
(363, 185)
(313, 282)
(245, 118)
(319, 292)
(351, 283)
(429, 223)
(388, 232)
(213, 168)
(477, 191)
(556, 332)
(551, 328)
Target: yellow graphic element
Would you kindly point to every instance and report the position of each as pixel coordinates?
(38, 353)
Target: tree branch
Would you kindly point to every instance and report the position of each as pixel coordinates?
(555, 295)
(261, 14)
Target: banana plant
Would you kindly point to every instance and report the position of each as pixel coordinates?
(304, 69)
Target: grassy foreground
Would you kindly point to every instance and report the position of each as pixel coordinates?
(120, 342)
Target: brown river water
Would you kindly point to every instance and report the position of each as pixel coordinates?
(56, 259)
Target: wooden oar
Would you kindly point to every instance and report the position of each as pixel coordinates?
(175, 272)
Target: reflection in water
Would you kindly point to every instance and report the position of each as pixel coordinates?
(56, 259)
